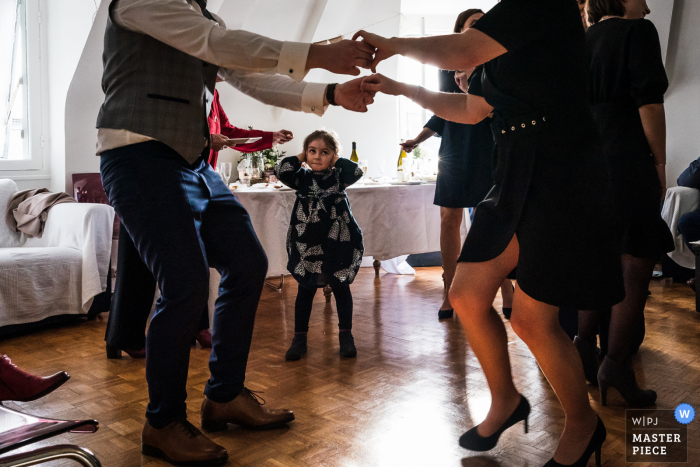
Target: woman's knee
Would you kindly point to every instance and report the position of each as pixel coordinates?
(532, 325)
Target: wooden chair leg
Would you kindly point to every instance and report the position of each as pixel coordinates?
(377, 264)
(327, 291)
(276, 286)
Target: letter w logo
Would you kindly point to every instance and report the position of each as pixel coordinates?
(685, 413)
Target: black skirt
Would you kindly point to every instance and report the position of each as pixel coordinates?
(553, 193)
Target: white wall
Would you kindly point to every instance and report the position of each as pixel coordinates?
(683, 97)
(68, 25)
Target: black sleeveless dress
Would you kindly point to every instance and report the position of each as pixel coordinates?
(627, 72)
(465, 167)
(552, 185)
(324, 242)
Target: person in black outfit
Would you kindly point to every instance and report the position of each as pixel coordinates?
(465, 170)
(627, 84)
(548, 212)
(324, 242)
(131, 305)
(689, 223)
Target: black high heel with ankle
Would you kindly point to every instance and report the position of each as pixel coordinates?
(622, 378)
(589, 358)
(444, 314)
(507, 311)
(473, 441)
(595, 445)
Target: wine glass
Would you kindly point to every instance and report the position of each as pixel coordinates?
(381, 165)
(363, 165)
(226, 169)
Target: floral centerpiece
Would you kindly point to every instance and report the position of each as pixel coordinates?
(264, 160)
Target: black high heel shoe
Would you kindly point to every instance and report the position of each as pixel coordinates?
(473, 441)
(594, 445)
(444, 314)
(622, 378)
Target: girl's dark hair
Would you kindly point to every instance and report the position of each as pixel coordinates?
(328, 137)
(598, 9)
(464, 16)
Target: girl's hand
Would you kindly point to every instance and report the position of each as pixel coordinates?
(334, 160)
(302, 157)
(380, 83)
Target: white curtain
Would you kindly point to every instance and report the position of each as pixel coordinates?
(9, 75)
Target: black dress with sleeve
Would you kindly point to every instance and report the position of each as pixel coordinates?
(465, 168)
(552, 186)
(324, 242)
(627, 72)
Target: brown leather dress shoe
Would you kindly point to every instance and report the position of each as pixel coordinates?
(18, 385)
(246, 411)
(181, 443)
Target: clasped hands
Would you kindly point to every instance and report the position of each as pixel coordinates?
(347, 57)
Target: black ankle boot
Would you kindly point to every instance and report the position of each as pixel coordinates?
(347, 345)
(589, 358)
(297, 349)
(594, 445)
(473, 441)
(622, 378)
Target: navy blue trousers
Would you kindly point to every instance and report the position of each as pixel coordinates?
(183, 220)
(689, 226)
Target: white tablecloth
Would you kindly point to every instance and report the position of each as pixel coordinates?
(395, 220)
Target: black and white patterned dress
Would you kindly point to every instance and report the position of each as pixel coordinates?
(324, 242)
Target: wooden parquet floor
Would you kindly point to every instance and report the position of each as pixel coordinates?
(414, 388)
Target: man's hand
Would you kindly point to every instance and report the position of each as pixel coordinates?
(380, 83)
(383, 48)
(350, 96)
(281, 137)
(343, 57)
(218, 142)
(409, 145)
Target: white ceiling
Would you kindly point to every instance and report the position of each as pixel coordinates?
(442, 7)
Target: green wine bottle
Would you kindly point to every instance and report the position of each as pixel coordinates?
(353, 156)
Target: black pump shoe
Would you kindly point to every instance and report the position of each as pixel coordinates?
(594, 445)
(444, 314)
(297, 349)
(473, 441)
(347, 345)
(622, 378)
(507, 312)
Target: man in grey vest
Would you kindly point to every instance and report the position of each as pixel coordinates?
(161, 59)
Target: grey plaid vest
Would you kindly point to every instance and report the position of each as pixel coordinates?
(155, 90)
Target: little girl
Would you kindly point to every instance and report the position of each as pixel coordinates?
(324, 243)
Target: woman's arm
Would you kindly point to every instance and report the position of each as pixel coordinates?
(457, 51)
(459, 108)
(411, 144)
(654, 123)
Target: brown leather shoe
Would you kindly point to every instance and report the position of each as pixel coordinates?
(181, 443)
(246, 411)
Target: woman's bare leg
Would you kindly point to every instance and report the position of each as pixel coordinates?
(450, 246)
(472, 293)
(537, 324)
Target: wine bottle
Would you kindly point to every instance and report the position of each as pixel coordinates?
(399, 165)
(353, 156)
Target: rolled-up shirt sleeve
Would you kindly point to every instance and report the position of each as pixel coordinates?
(280, 91)
(181, 25)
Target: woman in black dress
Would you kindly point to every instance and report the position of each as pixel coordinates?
(627, 84)
(548, 212)
(465, 171)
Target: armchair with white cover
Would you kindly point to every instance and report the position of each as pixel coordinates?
(58, 273)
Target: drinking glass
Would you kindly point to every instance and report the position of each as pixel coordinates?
(363, 165)
(226, 168)
(381, 165)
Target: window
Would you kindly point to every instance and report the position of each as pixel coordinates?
(20, 77)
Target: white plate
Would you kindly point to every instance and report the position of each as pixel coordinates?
(405, 183)
(239, 141)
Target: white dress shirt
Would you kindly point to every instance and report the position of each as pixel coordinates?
(268, 70)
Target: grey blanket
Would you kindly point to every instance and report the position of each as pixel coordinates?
(27, 210)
